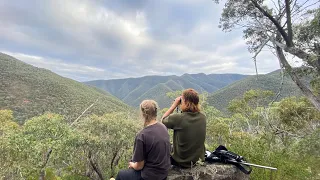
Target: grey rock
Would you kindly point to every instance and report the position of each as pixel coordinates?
(214, 171)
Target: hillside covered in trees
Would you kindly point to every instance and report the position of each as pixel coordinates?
(221, 88)
(30, 91)
(133, 90)
(38, 138)
(271, 81)
(284, 135)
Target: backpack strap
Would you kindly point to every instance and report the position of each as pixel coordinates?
(221, 154)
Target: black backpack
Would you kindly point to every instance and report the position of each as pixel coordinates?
(222, 155)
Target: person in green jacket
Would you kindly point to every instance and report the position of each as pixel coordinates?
(189, 129)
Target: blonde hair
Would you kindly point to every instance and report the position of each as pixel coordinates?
(149, 110)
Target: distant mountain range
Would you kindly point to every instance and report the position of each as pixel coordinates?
(133, 90)
(222, 87)
(30, 91)
(272, 81)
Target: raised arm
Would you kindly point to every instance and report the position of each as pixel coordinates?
(176, 103)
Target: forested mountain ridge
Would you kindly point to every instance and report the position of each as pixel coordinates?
(133, 90)
(271, 81)
(289, 127)
(30, 91)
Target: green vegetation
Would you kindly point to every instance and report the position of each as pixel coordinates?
(225, 87)
(289, 27)
(271, 82)
(101, 141)
(41, 140)
(133, 90)
(284, 134)
(31, 91)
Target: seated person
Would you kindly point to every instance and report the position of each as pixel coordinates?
(151, 154)
(189, 129)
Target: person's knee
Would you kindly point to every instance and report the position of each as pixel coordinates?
(120, 175)
(125, 174)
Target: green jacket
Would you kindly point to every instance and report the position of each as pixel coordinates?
(188, 136)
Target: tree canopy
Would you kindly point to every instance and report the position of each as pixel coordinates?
(288, 26)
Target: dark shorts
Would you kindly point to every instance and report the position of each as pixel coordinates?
(128, 174)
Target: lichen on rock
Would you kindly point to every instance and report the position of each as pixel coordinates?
(216, 171)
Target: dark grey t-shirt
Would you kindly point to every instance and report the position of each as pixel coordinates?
(152, 145)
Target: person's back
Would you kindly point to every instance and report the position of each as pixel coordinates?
(151, 154)
(188, 137)
(156, 143)
(189, 130)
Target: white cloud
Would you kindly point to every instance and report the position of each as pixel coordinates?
(56, 65)
(90, 39)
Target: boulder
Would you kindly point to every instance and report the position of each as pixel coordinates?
(206, 171)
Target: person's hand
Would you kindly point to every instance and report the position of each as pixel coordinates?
(177, 101)
(175, 104)
(130, 165)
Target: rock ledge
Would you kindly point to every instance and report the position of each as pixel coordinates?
(214, 171)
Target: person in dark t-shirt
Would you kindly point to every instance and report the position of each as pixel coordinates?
(189, 129)
(151, 154)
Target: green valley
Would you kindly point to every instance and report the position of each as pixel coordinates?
(133, 90)
(30, 91)
(272, 81)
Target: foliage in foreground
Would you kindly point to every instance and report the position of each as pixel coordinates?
(284, 134)
(103, 142)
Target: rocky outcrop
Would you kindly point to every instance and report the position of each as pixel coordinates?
(214, 171)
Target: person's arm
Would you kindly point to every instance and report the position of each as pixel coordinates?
(136, 165)
(138, 154)
(176, 103)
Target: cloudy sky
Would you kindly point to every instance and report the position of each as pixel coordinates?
(107, 39)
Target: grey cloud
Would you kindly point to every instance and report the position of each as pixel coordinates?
(125, 38)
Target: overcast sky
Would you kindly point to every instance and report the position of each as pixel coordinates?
(107, 39)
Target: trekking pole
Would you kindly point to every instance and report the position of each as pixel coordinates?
(255, 165)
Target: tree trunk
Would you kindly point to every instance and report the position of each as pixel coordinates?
(115, 154)
(289, 23)
(312, 61)
(43, 167)
(305, 90)
(94, 165)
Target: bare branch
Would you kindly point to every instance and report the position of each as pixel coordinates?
(294, 5)
(255, 65)
(84, 112)
(281, 85)
(304, 3)
(275, 5)
(305, 90)
(260, 48)
(271, 30)
(289, 23)
(299, 53)
(273, 20)
(280, 4)
(256, 54)
(299, 10)
(280, 131)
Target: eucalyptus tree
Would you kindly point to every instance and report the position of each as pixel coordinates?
(284, 26)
